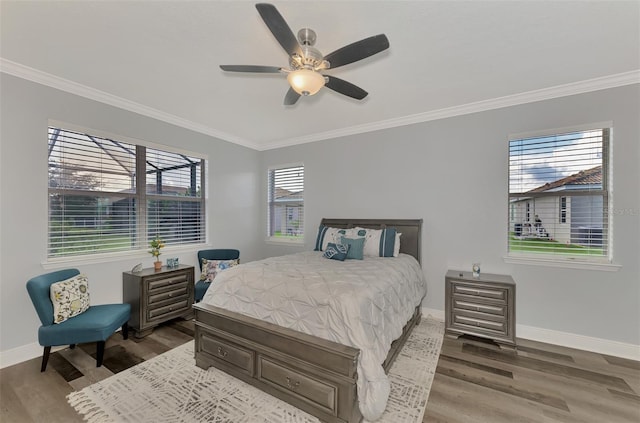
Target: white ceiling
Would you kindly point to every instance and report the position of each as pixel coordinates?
(161, 58)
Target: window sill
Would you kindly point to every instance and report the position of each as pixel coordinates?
(567, 263)
(285, 241)
(138, 255)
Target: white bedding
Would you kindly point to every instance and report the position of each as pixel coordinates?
(317, 296)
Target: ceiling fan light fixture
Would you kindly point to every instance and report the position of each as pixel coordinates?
(306, 81)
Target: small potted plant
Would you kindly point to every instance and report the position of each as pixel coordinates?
(156, 244)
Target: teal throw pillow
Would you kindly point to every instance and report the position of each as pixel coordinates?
(336, 251)
(356, 247)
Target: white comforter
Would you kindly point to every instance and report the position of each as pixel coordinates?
(360, 303)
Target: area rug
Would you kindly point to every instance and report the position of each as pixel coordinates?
(170, 388)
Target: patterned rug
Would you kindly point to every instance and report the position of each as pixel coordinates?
(170, 388)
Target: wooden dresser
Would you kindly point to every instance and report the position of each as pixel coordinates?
(157, 296)
(483, 307)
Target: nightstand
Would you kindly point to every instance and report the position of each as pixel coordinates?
(157, 296)
(484, 307)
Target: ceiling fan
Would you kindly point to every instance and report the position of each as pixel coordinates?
(306, 62)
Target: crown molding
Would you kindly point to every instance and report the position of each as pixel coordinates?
(580, 87)
(49, 80)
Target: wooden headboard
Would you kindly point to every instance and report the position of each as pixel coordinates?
(411, 230)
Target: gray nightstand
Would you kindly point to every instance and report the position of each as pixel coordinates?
(157, 296)
(483, 307)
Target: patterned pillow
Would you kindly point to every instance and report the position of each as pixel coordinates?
(327, 234)
(69, 297)
(356, 245)
(336, 251)
(211, 268)
(379, 242)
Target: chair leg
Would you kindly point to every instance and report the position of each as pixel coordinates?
(45, 358)
(100, 353)
(125, 331)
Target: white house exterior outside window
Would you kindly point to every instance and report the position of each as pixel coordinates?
(559, 196)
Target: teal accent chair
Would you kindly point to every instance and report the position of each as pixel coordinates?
(96, 324)
(214, 254)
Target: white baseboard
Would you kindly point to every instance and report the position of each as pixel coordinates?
(565, 339)
(27, 352)
(23, 353)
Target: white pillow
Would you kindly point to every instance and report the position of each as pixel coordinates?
(69, 297)
(379, 242)
(327, 234)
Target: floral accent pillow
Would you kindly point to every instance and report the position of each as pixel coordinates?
(211, 268)
(69, 297)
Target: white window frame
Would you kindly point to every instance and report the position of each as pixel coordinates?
(141, 247)
(299, 237)
(604, 263)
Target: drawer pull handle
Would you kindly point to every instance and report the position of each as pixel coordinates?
(292, 384)
(222, 352)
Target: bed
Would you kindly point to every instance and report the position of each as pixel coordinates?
(296, 364)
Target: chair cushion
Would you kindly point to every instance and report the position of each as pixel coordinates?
(98, 323)
(200, 290)
(69, 297)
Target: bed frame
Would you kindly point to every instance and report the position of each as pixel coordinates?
(313, 374)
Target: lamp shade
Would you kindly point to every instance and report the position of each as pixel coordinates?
(305, 81)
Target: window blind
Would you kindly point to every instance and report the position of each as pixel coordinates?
(286, 203)
(96, 204)
(558, 197)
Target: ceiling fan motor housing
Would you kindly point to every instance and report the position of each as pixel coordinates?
(312, 59)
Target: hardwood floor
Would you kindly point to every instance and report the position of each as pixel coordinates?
(475, 381)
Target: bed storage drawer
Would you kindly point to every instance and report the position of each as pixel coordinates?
(235, 355)
(319, 392)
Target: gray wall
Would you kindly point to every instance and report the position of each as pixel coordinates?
(453, 174)
(233, 188)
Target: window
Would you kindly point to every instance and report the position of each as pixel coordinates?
(558, 195)
(563, 209)
(285, 220)
(107, 195)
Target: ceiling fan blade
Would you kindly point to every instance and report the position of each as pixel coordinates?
(279, 28)
(251, 68)
(343, 87)
(291, 97)
(357, 51)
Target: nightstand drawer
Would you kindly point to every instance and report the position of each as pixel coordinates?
(172, 294)
(480, 291)
(473, 322)
(462, 304)
(177, 307)
(165, 282)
